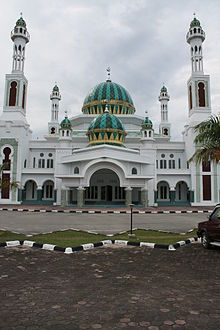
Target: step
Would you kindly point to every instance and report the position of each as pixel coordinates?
(215, 243)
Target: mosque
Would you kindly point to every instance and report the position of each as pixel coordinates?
(107, 155)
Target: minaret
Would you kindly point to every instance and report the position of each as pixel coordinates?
(53, 125)
(198, 84)
(16, 83)
(164, 127)
(147, 131)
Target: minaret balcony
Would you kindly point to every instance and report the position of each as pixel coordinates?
(20, 33)
(190, 35)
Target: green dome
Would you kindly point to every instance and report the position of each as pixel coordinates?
(163, 89)
(21, 22)
(56, 88)
(195, 22)
(65, 123)
(118, 98)
(106, 128)
(147, 123)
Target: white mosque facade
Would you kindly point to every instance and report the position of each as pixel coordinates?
(107, 155)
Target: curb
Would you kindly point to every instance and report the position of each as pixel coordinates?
(105, 211)
(89, 246)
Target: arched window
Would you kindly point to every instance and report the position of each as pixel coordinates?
(201, 92)
(52, 131)
(196, 49)
(23, 99)
(165, 131)
(6, 161)
(194, 30)
(76, 170)
(25, 163)
(149, 134)
(190, 97)
(134, 170)
(12, 94)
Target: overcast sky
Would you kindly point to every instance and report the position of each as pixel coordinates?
(143, 41)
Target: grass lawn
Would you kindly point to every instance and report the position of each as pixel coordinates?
(70, 238)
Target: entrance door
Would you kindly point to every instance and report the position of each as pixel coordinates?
(109, 193)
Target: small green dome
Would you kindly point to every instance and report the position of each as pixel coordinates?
(106, 128)
(118, 98)
(65, 123)
(195, 22)
(147, 123)
(21, 22)
(163, 89)
(56, 88)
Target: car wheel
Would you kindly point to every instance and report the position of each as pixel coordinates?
(205, 240)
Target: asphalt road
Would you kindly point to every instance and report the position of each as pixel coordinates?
(34, 223)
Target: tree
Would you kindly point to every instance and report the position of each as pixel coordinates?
(207, 140)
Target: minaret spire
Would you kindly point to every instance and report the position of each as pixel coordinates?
(164, 128)
(20, 37)
(53, 125)
(195, 38)
(199, 83)
(108, 74)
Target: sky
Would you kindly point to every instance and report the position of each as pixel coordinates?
(143, 41)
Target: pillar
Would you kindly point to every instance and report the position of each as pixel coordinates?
(80, 197)
(20, 191)
(144, 197)
(172, 196)
(63, 197)
(128, 196)
(39, 194)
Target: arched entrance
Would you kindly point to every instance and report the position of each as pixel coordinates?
(104, 188)
(181, 193)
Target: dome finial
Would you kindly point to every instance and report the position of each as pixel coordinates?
(106, 107)
(146, 113)
(108, 73)
(21, 14)
(65, 114)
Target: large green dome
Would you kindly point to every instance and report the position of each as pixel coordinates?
(117, 97)
(106, 128)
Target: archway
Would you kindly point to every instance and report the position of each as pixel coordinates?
(104, 188)
(181, 193)
(30, 191)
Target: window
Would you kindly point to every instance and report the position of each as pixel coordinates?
(190, 97)
(179, 163)
(12, 94)
(48, 190)
(134, 170)
(23, 99)
(6, 160)
(52, 130)
(41, 154)
(163, 163)
(41, 163)
(25, 163)
(162, 156)
(163, 192)
(206, 166)
(49, 163)
(171, 163)
(50, 154)
(76, 170)
(156, 163)
(201, 93)
(34, 162)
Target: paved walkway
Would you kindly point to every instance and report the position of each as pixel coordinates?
(36, 222)
(108, 289)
